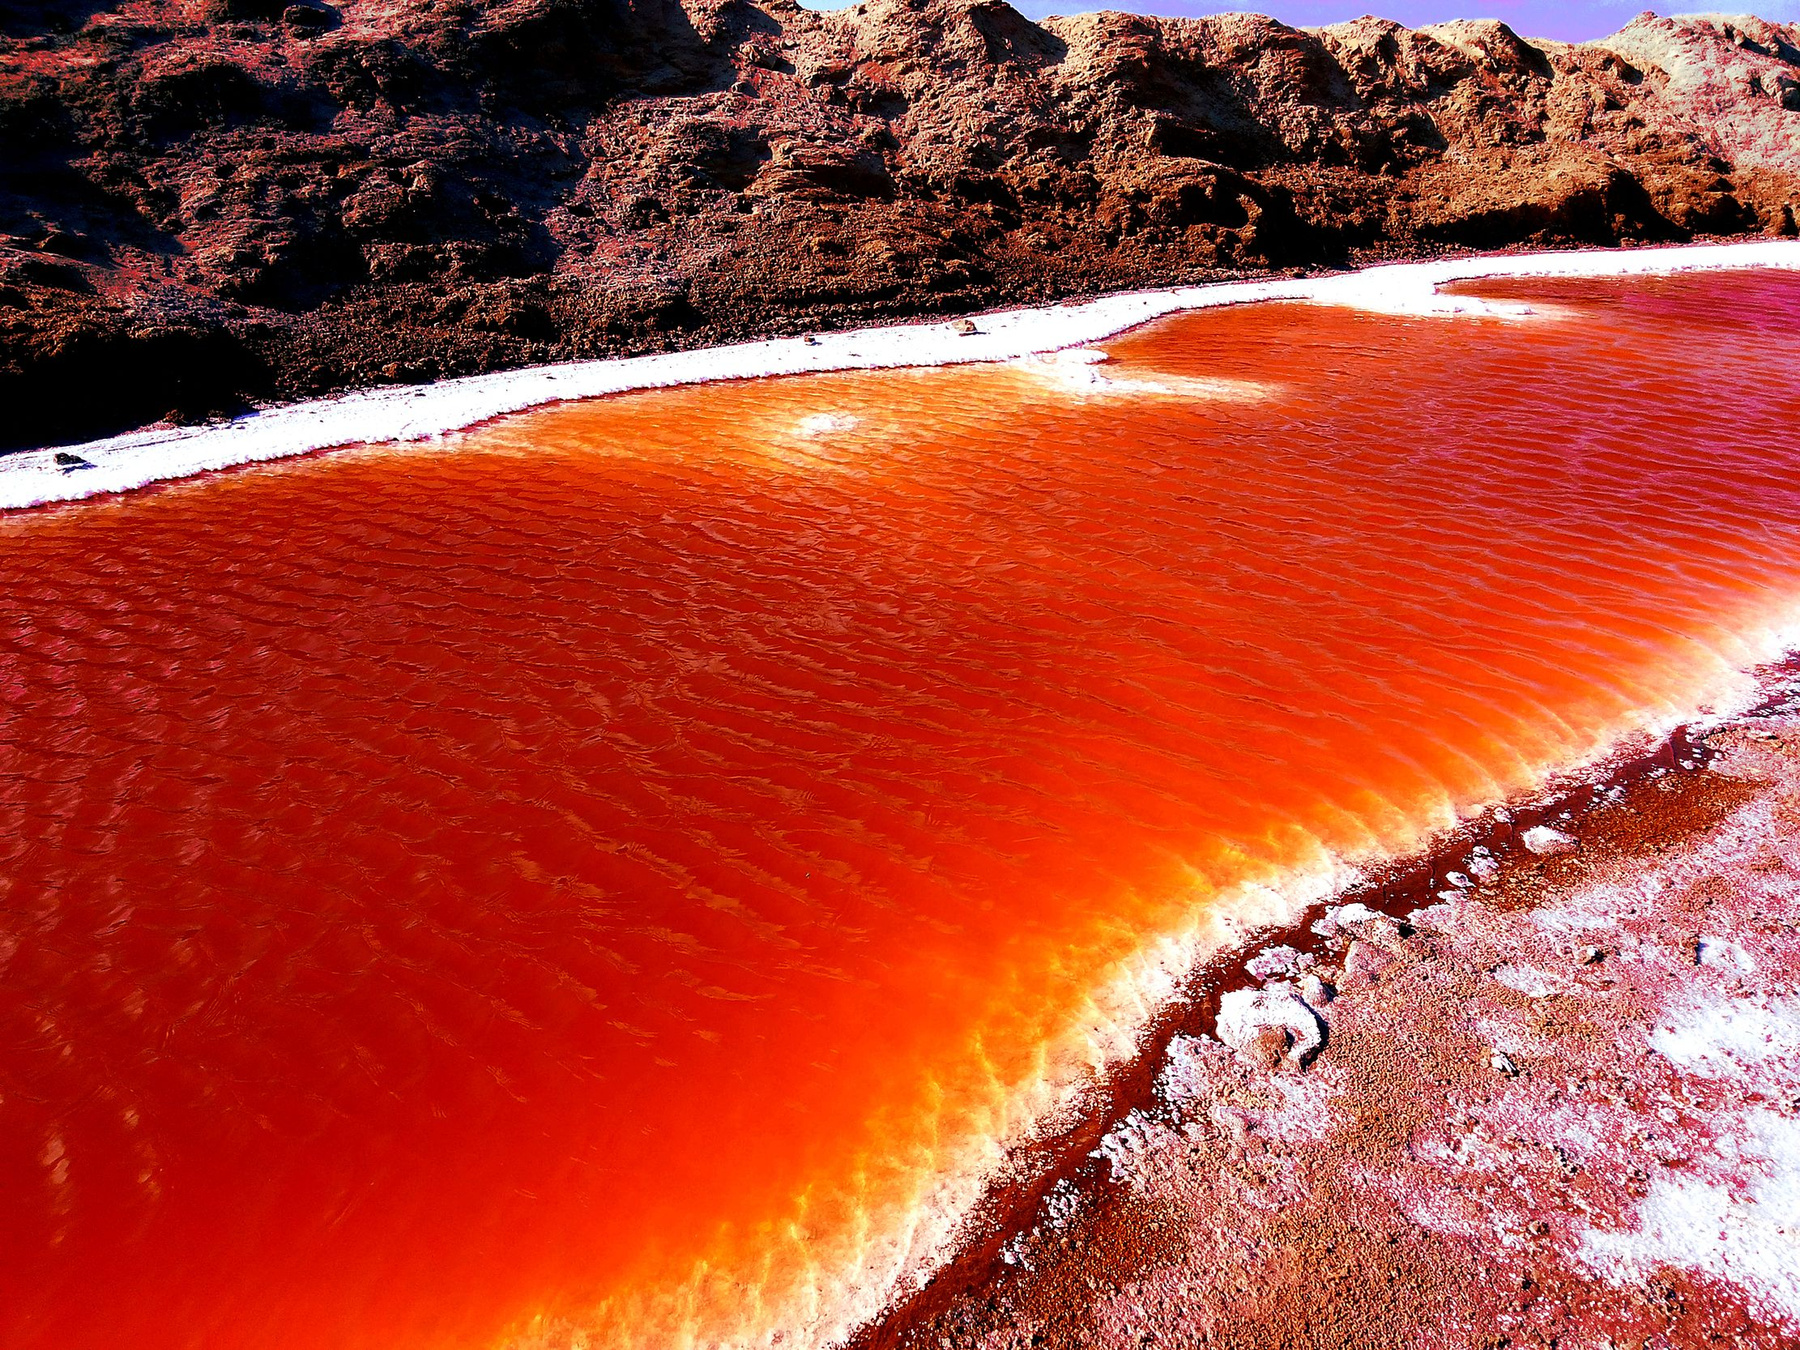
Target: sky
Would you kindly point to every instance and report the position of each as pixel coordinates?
(1567, 20)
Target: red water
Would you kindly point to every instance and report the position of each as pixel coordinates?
(618, 873)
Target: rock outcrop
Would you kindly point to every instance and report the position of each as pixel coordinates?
(205, 202)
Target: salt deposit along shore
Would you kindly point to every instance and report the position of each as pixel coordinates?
(1539, 1090)
(412, 413)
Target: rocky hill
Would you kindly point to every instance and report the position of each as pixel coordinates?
(204, 202)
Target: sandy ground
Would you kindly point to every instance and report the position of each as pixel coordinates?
(1554, 1101)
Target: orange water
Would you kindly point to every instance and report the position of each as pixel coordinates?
(619, 872)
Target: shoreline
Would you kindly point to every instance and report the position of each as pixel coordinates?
(1062, 1157)
(1065, 1208)
(421, 412)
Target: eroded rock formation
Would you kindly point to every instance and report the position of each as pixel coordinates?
(204, 202)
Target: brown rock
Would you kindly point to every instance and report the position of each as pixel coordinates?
(255, 200)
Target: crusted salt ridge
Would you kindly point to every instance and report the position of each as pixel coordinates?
(121, 463)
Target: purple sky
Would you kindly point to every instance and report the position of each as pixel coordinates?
(1569, 20)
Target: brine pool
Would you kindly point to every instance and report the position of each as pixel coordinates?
(624, 874)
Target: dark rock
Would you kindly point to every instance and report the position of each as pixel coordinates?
(306, 20)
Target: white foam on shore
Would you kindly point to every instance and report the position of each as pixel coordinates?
(120, 463)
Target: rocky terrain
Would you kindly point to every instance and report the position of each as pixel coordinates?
(208, 202)
(1556, 1104)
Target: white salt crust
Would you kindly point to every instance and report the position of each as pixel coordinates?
(419, 412)
(1736, 1215)
(1729, 1206)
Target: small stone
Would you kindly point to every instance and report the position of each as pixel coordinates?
(1458, 880)
(965, 327)
(1500, 1062)
(1251, 1021)
(1548, 842)
(1276, 961)
(1591, 955)
(1717, 952)
(1266, 1047)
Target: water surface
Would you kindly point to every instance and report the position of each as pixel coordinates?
(618, 873)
